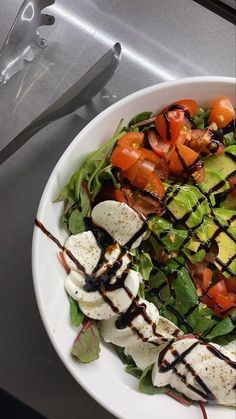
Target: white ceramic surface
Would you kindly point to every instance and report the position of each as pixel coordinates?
(105, 379)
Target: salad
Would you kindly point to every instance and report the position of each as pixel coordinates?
(150, 258)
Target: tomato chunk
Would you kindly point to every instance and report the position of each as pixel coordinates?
(181, 158)
(170, 125)
(131, 140)
(155, 186)
(119, 196)
(207, 278)
(231, 284)
(222, 112)
(145, 170)
(218, 288)
(224, 303)
(189, 105)
(123, 158)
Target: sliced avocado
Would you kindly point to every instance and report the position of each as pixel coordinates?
(224, 163)
(214, 183)
(224, 237)
(188, 205)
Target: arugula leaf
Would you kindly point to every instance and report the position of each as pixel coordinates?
(125, 359)
(229, 139)
(63, 194)
(76, 315)
(200, 119)
(222, 328)
(86, 347)
(133, 370)
(139, 118)
(145, 383)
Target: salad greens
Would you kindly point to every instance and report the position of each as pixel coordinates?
(86, 183)
(76, 315)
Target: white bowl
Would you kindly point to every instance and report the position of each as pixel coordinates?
(105, 379)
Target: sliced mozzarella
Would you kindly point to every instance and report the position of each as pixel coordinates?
(74, 286)
(217, 375)
(85, 249)
(143, 353)
(119, 220)
(118, 300)
(131, 334)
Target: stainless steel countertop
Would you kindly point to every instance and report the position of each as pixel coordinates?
(161, 40)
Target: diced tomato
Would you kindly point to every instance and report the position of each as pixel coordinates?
(131, 140)
(119, 196)
(224, 303)
(232, 182)
(131, 172)
(162, 169)
(222, 112)
(207, 278)
(180, 158)
(145, 170)
(169, 131)
(155, 186)
(218, 288)
(123, 158)
(160, 146)
(189, 105)
(231, 284)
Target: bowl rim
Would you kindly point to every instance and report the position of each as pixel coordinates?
(104, 114)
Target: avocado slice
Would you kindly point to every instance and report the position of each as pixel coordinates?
(222, 226)
(187, 205)
(214, 183)
(224, 164)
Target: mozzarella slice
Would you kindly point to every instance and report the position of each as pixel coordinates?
(74, 286)
(143, 353)
(85, 249)
(131, 334)
(119, 220)
(217, 375)
(119, 299)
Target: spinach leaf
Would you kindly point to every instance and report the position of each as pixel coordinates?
(205, 321)
(185, 291)
(145, 265)
(229, 139)
(145, 383)
(225, 339)
(76, 315)
(222, 328)
(76, 222)
(86, 347)
(133, 370)
(139, 118)
(125, 359)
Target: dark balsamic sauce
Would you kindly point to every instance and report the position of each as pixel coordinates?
(138, 309)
